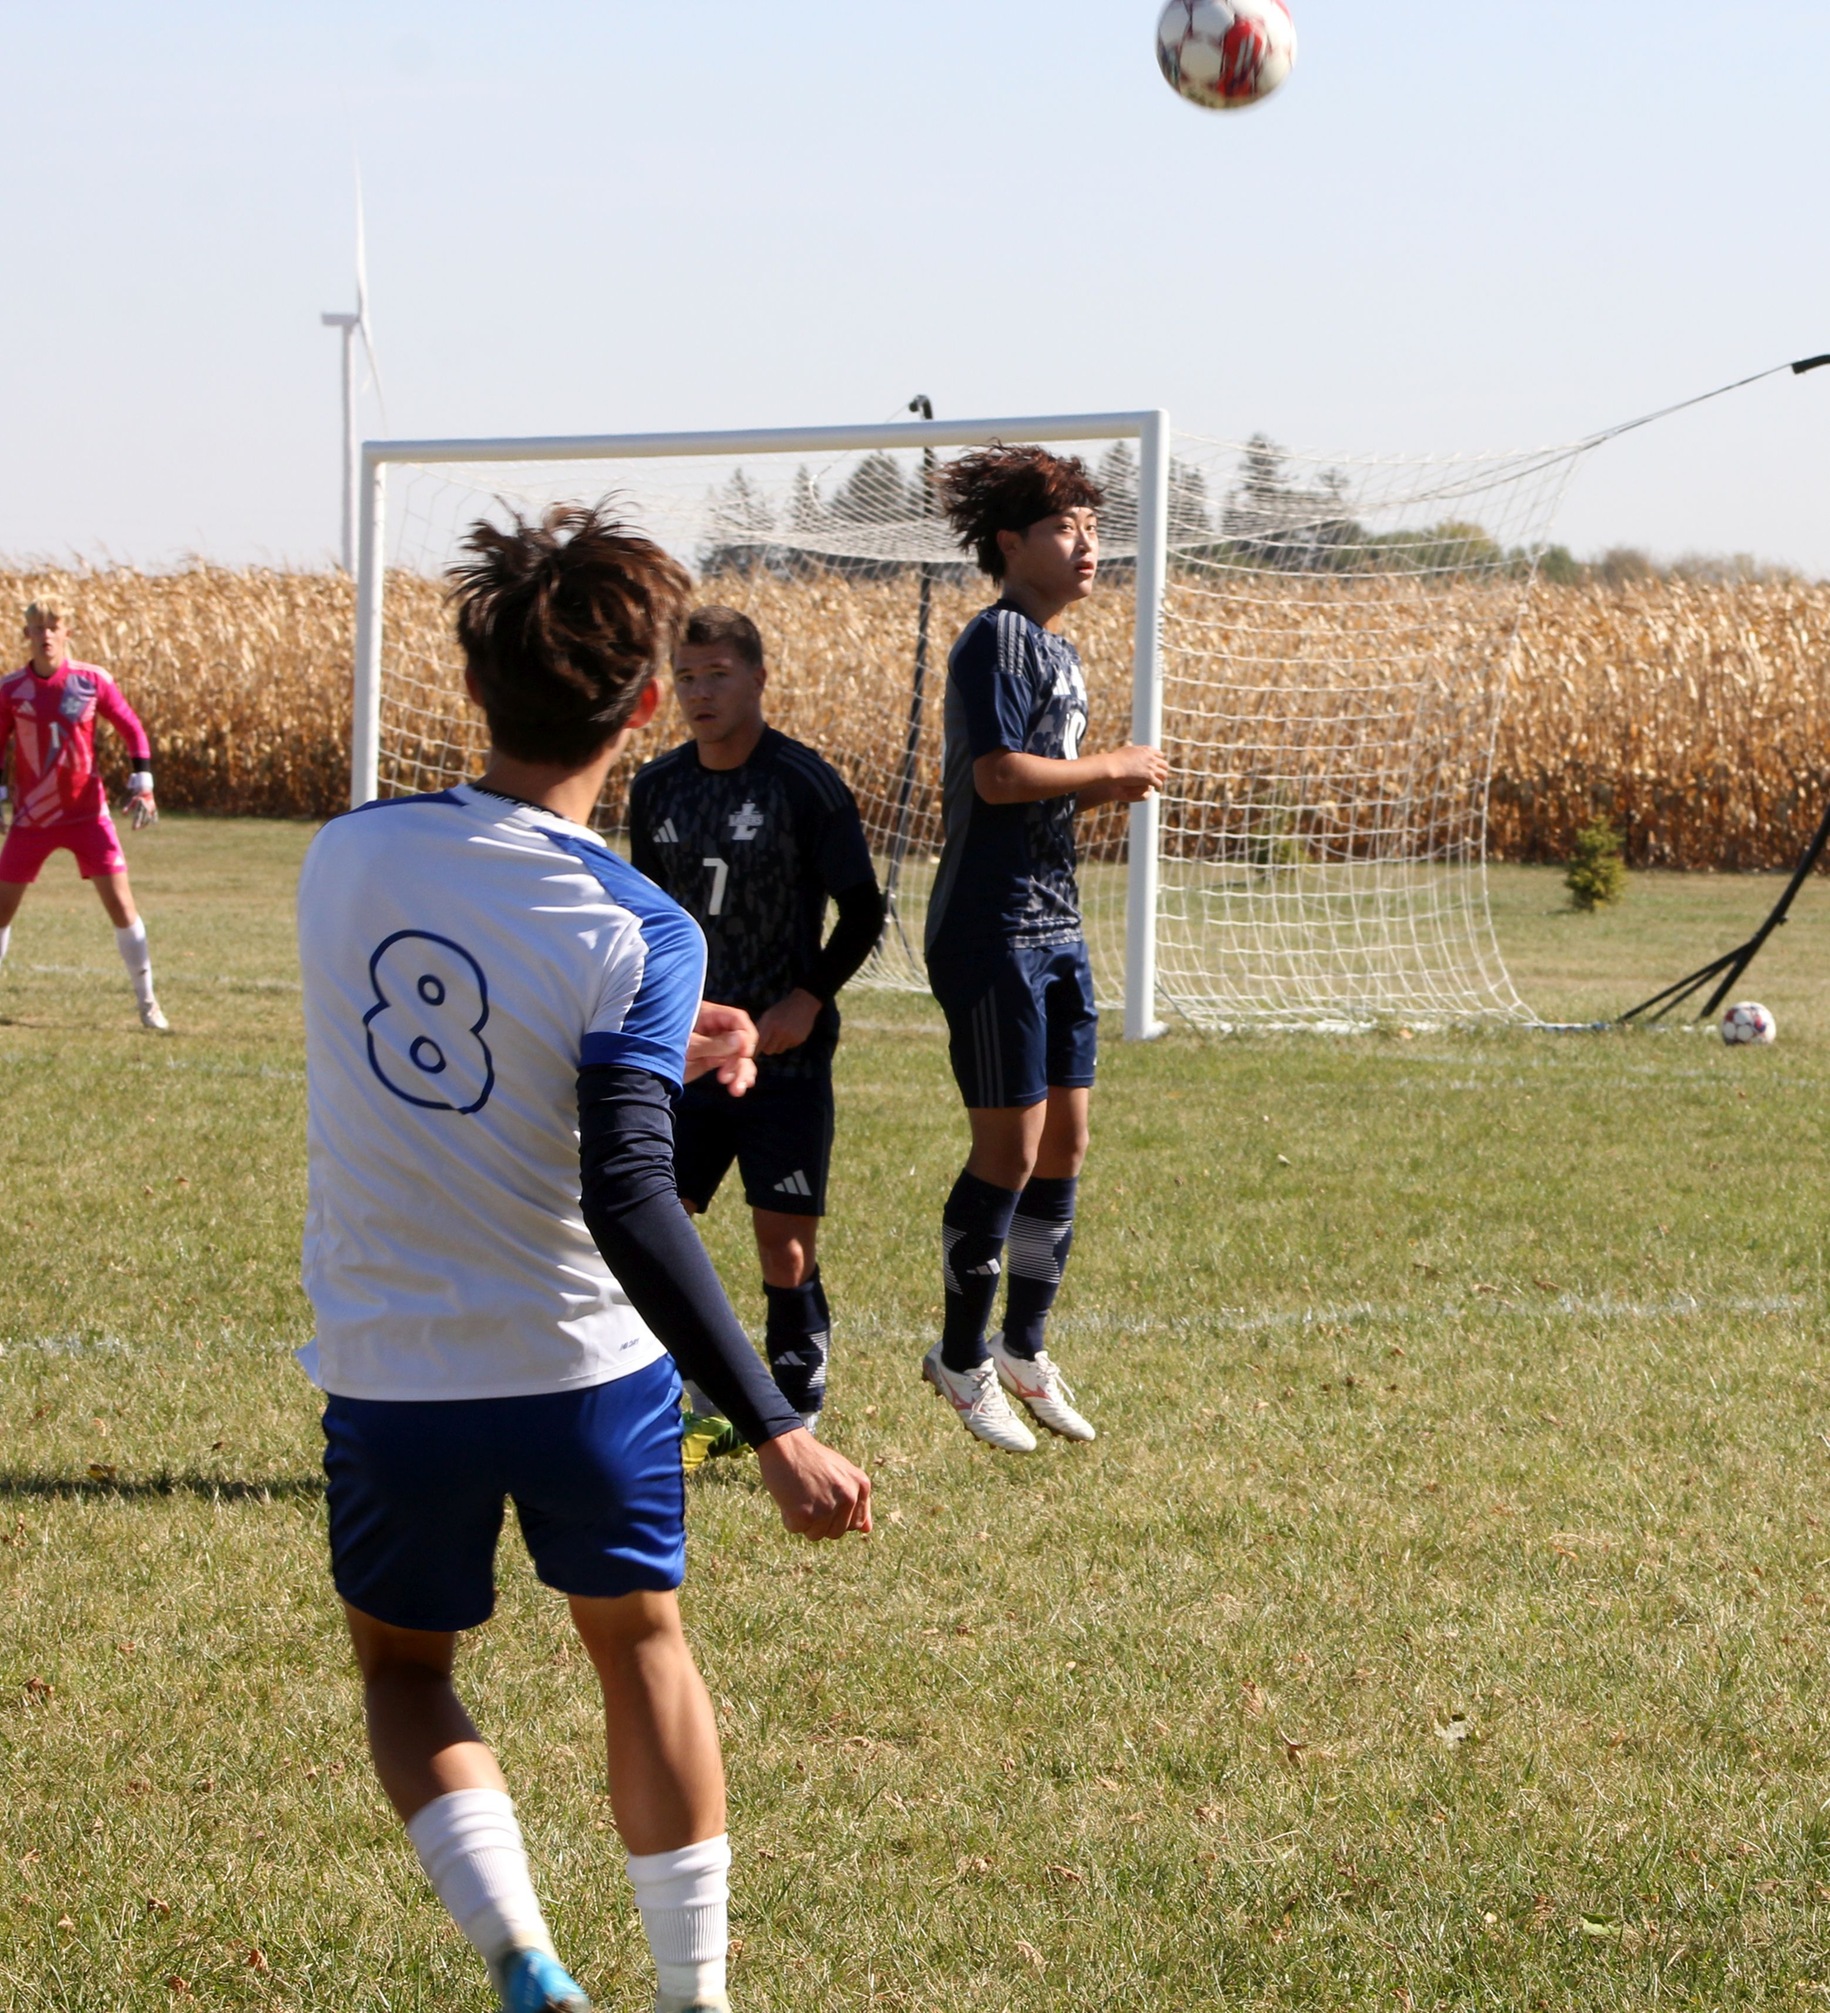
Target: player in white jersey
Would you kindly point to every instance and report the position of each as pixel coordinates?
(499, 1013)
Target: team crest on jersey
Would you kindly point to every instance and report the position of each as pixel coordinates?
(78, 692)
(745, 824)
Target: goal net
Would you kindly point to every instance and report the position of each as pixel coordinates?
(1321, 643)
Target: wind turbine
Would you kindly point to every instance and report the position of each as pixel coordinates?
(353, 325)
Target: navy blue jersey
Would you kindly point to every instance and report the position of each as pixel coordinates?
(752, 855)
(1007, 870)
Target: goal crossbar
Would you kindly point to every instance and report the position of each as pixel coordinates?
(1150, 429)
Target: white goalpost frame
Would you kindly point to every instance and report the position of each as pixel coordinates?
(1150, 429)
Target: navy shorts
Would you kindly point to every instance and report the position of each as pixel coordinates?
(1020, 1020)
(417, 1491)
(779, 1133)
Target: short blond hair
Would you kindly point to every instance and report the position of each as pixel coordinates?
(47, 614)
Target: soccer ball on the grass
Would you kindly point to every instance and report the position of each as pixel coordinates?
(1224, 54)
(1747, 1022)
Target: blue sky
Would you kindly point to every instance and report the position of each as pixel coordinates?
(1459, 227)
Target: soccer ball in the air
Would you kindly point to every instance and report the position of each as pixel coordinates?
(1749, 1021)
(1224, 54)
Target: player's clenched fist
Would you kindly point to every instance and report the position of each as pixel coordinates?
(819, 1493)
(723, 1041)
(1136, 771)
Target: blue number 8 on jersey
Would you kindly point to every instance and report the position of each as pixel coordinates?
(425, 1029)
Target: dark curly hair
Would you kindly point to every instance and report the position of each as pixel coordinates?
(1003, 488)
(563, 623)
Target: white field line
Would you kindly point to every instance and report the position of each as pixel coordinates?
(1562, 1306)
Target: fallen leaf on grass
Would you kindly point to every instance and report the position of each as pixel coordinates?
(1252, 1699)
(1208, 1813)
(256, 1960)
(1456, 1731)
(1603, 1932)
(40, 1688)
(1031, 1954)
(1068, 1874)
(154, 1906)
(102, 1471)
(64, 1922)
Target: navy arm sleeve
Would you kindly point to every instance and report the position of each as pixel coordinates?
(991, 674)
(854, 937)
(642, 851)
(842, 859)
(632, 1209)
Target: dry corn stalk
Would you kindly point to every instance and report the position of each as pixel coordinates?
(1696, 716)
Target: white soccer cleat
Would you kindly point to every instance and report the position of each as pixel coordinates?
(153, 1019)
(982, 1407)
(1042, 1388)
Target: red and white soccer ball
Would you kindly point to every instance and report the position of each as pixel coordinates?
(1225, 54)
(1748, 1022)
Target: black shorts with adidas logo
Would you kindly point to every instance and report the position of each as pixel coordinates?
(779, 1133)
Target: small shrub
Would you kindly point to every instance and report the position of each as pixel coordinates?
(1597, 874)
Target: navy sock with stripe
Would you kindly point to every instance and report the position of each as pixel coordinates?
(798, 1340)
(973, 1227)
(1041, 1236)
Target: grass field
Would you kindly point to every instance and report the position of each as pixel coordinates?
(1439, 1621)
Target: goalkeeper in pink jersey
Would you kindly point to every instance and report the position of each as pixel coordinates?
(48, 711)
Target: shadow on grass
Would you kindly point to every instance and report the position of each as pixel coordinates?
(208, 1488)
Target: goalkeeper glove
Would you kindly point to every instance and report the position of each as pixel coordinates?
(140, 791)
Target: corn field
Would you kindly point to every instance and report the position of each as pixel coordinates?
(1696, 716)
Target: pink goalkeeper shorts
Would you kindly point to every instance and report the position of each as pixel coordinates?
(94, 841)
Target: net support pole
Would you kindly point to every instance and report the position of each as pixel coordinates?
(1141, 1023)
(371, 569)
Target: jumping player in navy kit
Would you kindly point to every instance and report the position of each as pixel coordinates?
(751, 833)
(1007, 959)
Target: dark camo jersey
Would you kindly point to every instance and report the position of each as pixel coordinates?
(752, 855)
(1007, 870)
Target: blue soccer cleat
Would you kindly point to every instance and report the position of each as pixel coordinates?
(533, 1981)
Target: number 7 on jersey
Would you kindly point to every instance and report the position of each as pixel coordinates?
(720, 872)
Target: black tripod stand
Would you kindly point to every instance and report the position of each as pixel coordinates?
(1729, 967)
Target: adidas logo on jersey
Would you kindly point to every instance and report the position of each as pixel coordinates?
(795, 1184)
(667, 836)
(745, 824)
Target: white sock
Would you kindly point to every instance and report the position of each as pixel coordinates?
(131, 943)
(470, 1846)
(6, 937)
(685, 1901)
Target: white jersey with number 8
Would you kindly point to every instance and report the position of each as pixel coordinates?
(463, 956)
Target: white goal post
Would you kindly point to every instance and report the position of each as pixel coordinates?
(1320, 644)
(1149, 429)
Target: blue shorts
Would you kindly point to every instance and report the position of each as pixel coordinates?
(779, 1133)
(1020, 1020)
(417, 1491)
